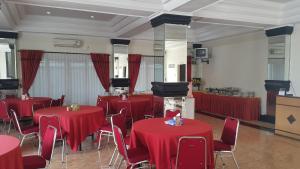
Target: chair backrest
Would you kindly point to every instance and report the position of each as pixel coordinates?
(119, 141)
(13, 116)
(37, 106)
(191, 153)
(48, 142)
(126, 106)
(46, 120)
(119, 120)
(62, 100)
(102, 103)
(230, 131)
(171, 113)
(3, 110)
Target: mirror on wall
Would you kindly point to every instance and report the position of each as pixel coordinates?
(279, 57)
(7, 59)
(120, 61)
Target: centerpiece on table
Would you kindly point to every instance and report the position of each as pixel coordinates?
(73, 107)
(175, 121)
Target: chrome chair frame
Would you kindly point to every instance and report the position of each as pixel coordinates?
(18, 127)
(126, 157)
(191, 137)
(63, 154)
(231, 153)
(4, 122)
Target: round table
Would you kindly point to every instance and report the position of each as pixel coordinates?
(77, 124)
(161, 139)
(139, 105)
(23, 108)
(10, 153)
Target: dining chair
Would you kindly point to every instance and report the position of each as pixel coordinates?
(53, 120)
(227, 143)
(30, 131)
(132, 156)
(4, 116)
(105, 105)
(126, 106)
(191, 153)
(171, 113)
(45, 153)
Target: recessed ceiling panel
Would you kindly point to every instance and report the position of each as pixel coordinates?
(37, 10)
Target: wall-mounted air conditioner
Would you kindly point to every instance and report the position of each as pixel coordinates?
(64, 42)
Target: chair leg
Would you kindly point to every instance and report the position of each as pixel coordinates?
(99, 143)
(217, 155)
(63, 150)
(237, 166)
(112, 157)
(116, 160)
(23, 138)
(120, 163)
(223, 164)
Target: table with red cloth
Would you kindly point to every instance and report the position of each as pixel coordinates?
(140, 104)
(23, 108)
(77, 124)
(161, 139)
(10, 153)
(246, 108)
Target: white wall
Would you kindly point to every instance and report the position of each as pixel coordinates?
(295, 61)
(238, 61)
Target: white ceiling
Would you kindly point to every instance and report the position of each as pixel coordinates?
(211, 19)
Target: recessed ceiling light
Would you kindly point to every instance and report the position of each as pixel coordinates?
(189, 26)
(92, 16)
(48, 12)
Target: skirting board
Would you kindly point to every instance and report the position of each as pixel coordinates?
(287, 134)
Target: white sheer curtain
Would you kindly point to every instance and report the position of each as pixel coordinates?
(70, 74)
(146, 75)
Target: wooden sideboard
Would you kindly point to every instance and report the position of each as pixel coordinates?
(287, 121)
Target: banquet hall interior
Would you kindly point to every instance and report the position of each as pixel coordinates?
(165, 84)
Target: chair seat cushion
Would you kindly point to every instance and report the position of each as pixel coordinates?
(34, 162)
(30, 129)
(106, 128)
(220, 146)
(137, 154)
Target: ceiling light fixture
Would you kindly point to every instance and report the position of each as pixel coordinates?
(189, 26)
(92, 16)
(48, 12)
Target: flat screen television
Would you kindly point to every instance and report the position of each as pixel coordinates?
(9, 84)
(201, 53)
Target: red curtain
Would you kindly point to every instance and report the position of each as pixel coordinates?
(101, 64)
(189, 68)
(134, 61)
(30, 62)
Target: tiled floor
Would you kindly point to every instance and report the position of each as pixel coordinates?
(256, 149)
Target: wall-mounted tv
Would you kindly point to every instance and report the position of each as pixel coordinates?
(201, 53)
(9, 84)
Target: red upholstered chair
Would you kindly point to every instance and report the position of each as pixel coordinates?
(171, 113)
(46, 152)
(54, 121)
(126, 106)
(227, 143)
(105, 105)
(27, 131)
(191, 153)
(4, 116)
(133, 156)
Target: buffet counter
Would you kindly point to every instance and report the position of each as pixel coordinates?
(245, 108)
(287, 121)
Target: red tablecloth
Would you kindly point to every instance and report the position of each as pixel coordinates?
(139, 105)
(77, 124)
(162, 140)
(239, 107)
(10, 153)
(23, 108)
